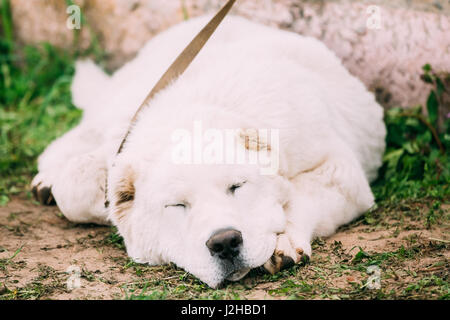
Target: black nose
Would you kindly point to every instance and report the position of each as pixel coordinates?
(225, 243)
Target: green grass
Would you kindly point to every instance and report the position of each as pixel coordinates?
(35, 108)
(416, 163)
(35, 103)
(47, 281)
(4, 262)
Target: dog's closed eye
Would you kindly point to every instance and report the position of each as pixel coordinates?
(183, 205)
(232, 189)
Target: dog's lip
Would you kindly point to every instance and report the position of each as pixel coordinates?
(238, 274)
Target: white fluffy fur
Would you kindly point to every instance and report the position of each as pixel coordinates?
(247, 76)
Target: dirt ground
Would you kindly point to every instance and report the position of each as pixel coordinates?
(38, 246)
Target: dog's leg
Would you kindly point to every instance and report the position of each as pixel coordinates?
(79, 190)
(88, 84)
(54, 159)
(322, 199)
(75, 182)
(72, 174)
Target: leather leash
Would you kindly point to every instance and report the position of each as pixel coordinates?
(182, 62)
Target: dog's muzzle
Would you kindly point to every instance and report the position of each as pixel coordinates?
(226, 245)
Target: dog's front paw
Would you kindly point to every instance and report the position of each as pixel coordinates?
(286, 256)
(42, 190)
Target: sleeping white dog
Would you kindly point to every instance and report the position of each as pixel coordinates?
(219, 219)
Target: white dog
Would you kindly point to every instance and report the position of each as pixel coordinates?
(218, 221)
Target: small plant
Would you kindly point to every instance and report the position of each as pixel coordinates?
(416, 163)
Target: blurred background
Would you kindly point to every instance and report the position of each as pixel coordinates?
(384, 48)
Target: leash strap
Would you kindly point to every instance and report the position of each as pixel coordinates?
(182, 62)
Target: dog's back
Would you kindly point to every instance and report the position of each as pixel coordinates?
(268, 77)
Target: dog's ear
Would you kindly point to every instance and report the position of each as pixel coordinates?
(122, 192)
(254, 140)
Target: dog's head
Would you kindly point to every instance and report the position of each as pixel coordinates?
(215, 221)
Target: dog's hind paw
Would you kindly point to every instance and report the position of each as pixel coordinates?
(42, 191)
